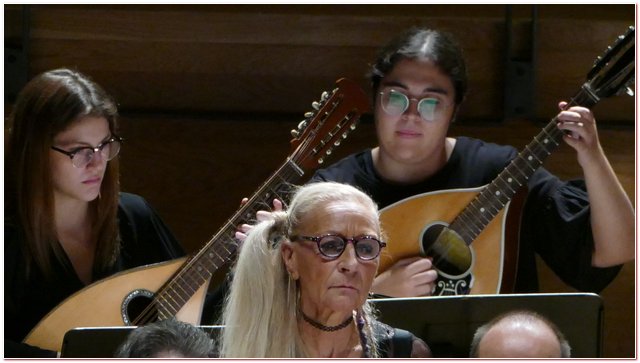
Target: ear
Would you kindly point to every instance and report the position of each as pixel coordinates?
(290, 260)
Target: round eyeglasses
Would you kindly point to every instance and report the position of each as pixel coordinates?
(332, 246)
(395, 103)
(82, 156)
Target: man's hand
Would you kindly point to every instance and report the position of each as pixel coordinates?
(408, 277)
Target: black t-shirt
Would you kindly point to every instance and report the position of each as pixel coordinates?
(144, 240)
(555, 220)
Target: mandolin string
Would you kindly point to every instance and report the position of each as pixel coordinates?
(464, 223)
(150, 313)
(554, 133)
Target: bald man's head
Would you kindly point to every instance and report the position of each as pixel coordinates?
(520, 334)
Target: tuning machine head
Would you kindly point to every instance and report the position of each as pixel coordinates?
(629, 91)
(315, 105)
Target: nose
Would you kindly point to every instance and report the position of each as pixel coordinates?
(97, 159)
(412, 109)
(348, 260)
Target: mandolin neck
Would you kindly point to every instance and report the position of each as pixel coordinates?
(473, 220)
(221, 248)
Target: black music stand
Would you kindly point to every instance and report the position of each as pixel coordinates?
(447, 324)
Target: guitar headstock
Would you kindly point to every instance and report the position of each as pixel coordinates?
(331, 121)
(614, 71)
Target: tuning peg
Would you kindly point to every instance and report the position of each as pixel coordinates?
(295, 133)
(629, 91)
(324, 97)
(302, 125)
(315, 105)
(329, 151)
(353, 126)
(321, 160)
(345, 134)
(309, 114)
(337, 142)
(626, 89)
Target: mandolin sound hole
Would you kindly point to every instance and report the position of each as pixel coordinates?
(449, 252)
(138, 309)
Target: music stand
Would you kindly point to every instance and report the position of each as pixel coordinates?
(447, 324)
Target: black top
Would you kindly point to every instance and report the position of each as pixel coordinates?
(144, 240)
(555, 221)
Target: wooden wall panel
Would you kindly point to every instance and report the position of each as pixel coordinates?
(234, 58)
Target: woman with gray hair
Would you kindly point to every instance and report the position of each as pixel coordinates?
(302, 279)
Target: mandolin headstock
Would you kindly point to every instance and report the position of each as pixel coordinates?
(333, 117)
(614, 72)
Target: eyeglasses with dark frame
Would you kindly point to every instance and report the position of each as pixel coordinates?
(333, 245)
(82, 156)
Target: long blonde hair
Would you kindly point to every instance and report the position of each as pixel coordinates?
(260, 313)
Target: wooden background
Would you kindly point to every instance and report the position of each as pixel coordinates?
(208, 93)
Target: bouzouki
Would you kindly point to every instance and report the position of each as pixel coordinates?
(177, 288)
(468, 233)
